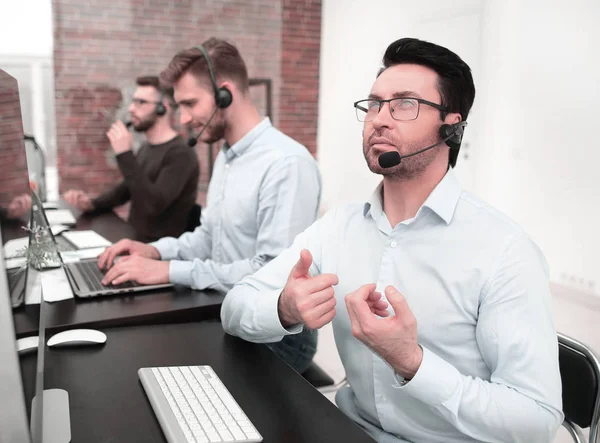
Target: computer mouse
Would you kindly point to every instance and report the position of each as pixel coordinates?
(77, 337)
(27, 344)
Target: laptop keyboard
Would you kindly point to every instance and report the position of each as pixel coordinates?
(93, 277)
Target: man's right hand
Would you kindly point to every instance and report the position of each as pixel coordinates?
(305, 299)
(126, 247)
(79, 199)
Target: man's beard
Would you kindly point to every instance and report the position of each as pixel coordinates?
(145, 124)
(215, 131)
(410, 167)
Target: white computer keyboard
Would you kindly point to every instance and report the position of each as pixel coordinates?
(193, 405)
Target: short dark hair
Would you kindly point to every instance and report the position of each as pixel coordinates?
(455, 83)
(225, 60)
(154, 81)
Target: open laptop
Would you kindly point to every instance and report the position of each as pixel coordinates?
(85, 277)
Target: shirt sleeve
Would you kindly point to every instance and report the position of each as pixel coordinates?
(288, 203)
(158, 195)
(250, 309)
(522, 400)
(117, 196)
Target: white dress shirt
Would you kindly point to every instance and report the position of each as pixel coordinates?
(479, 289)
(265, 190)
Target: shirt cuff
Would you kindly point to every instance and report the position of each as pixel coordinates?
(180, 272)
(435, 383)
(268, 315)
(166, 248)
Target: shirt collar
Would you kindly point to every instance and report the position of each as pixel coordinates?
(242, 145)
(442, 200)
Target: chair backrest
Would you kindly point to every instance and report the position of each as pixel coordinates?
(580, 375)
(193, 220)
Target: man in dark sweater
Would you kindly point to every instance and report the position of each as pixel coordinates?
(161, 180)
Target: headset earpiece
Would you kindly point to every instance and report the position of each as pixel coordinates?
(160, 109)
(223, 96)
(455, 132)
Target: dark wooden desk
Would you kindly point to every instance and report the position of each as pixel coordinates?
(108, 403)
(159, 306)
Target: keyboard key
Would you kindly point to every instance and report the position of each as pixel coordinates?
(237, 433)
(226, 435)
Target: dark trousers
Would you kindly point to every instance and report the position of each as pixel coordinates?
(297, 350)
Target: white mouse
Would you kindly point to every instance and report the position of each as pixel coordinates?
(27, 344)
(77, 337)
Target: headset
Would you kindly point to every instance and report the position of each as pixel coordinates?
(160, 107)
(223, 96)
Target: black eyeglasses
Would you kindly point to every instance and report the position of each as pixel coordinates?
(401, 109)
(137, 102)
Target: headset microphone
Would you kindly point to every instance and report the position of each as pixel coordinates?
(223, 96)
(193, 140)
(451, 135)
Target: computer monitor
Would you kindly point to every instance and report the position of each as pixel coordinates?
(13, 413)
(14, 175)
(49, 412)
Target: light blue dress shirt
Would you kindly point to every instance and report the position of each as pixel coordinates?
(479, 289)
(265, 190)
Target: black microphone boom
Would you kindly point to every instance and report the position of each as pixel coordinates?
(193, 140)
(393, 158)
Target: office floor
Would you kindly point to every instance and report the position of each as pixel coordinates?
(575, 314)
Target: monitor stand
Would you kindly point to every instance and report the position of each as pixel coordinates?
(56, 423)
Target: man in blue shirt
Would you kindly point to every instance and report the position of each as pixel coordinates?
(440, 304)
(265, 189)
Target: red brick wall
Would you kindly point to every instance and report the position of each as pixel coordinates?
(102, 45)
(300, 55)
(14, 179)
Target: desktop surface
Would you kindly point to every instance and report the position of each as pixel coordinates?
(108, 403)
(168, 305)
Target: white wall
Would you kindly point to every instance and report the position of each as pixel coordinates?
(533, 149)
(26, 28)
(355, 34)
(539, 111)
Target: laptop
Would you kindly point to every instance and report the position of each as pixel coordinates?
(85, 277)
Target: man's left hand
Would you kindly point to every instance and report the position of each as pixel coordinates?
(143, 270)
(120, 138)
(393, 338)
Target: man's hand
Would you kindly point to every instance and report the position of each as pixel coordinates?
(306, 299)
(126, 247)
(140, 269)
(120, 138)
(79, 199)
(394, 338)
(19, 206)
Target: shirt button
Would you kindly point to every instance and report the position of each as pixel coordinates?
(383, 399)
(393, 244)
(226, 165)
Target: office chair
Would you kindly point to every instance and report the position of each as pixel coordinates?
(320, 380)
(580, 375)
(193, 220)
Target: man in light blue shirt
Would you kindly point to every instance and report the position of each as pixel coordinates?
(265, 190)
(440, 304)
